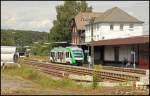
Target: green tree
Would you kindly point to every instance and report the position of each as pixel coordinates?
(22, 37)
(60, 30)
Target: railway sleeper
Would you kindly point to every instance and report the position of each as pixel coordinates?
(125, 70)
(87, 74)
(76, 70)
(56, 72)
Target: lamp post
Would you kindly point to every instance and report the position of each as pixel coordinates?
(88, 57)
(92, 45)
(133, 53)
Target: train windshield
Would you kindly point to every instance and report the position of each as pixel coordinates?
(78, 53)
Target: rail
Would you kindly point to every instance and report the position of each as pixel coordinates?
(104, 74)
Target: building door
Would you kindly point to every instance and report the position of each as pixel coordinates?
(116, 54)
(144, 56)
(102, 55)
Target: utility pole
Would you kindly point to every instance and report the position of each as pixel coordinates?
(92, 45)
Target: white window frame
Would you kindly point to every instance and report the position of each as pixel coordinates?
(121, 27)
(131, 27)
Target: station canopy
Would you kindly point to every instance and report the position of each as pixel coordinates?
(123, 41)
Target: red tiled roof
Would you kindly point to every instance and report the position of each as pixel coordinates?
(117, 15)
(123, 41)
(112, 15)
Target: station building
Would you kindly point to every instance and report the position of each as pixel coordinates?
(117, 36)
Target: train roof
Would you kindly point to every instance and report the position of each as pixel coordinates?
(65, 48)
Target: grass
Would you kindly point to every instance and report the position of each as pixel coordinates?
(45, 58)
(44, 80)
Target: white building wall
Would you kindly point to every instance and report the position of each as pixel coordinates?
(104, 31)
(124, 51)
(109, 53)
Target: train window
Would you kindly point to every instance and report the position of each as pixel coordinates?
(51, 54)
(56, 54)
(67, 54)
(61, 55)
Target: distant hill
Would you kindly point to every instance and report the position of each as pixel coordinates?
(22, 37)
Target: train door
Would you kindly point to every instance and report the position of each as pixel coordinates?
(56, 56)
(64, 57)
(61, 57)
(51, 56)
(58, 59)
(68, 59)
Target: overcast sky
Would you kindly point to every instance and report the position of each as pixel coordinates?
(39, 15)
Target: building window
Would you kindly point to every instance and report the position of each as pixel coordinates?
(121, 27)
(131, 27)
(89, 28)
(111, 27)
(97, 37)
(103, 37)
(93, 27)
(97, 26)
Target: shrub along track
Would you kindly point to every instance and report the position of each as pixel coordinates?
(106, 73)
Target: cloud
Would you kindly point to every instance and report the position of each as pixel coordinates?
(39, 15)
(11, 20)
(28, 15)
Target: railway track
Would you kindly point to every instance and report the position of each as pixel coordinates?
(131, 70)
(120, 69)
(106, 73)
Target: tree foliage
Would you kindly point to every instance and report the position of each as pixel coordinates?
(60, 30)
(22, 37)
(40, 49)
